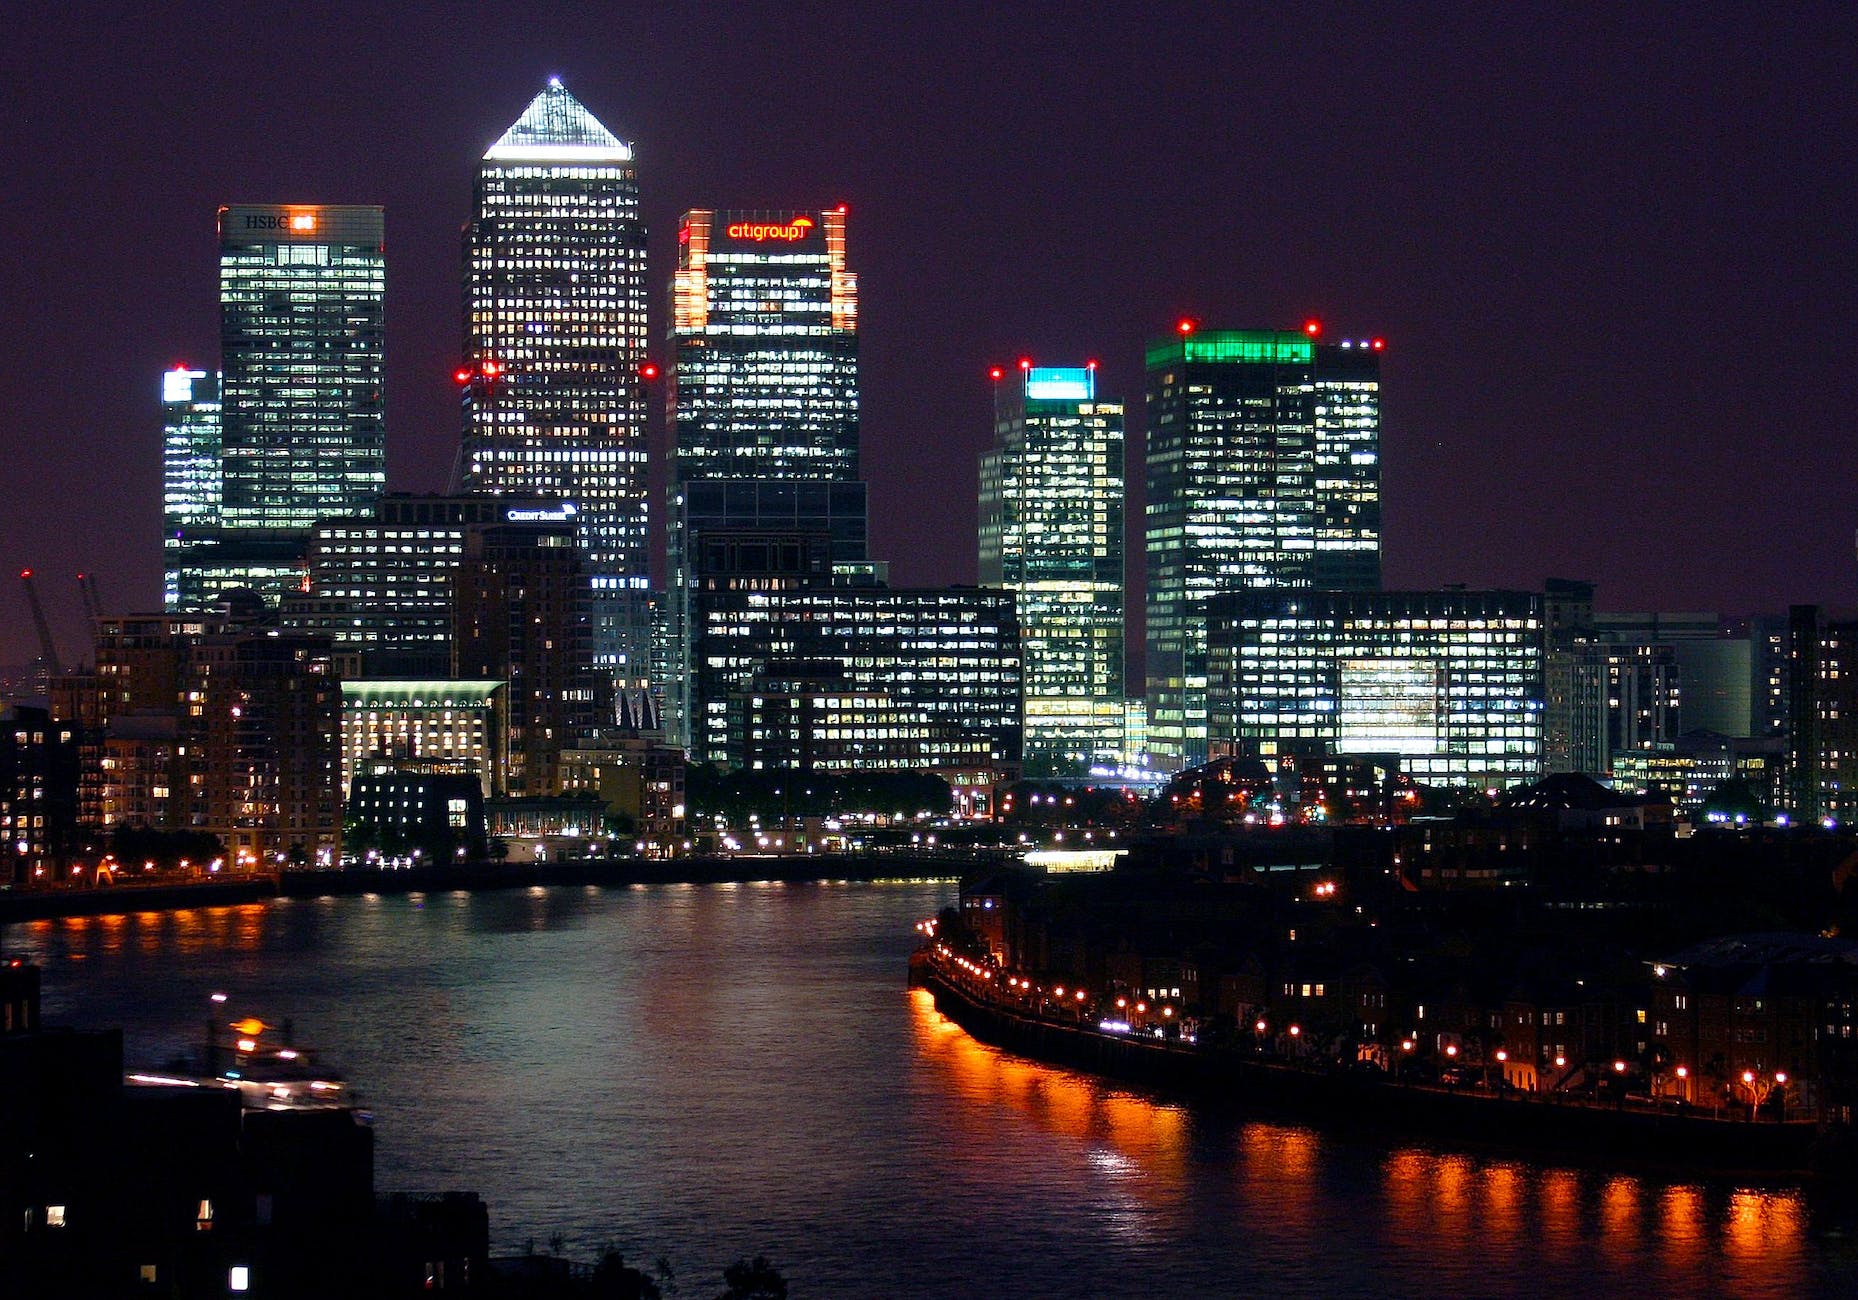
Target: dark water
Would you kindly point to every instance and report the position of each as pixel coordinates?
(705, 1073)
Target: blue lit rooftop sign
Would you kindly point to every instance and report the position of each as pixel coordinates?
(1061, 384)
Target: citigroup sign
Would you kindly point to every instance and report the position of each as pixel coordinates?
(759, 232)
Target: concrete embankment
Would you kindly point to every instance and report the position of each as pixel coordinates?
(623, 871)
(1526, 1123)
(108, 900)
(118, 899)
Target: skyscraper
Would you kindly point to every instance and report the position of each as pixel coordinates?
(1051, 531)
(1263, 471)
(554, 345)
(189, 466)
(765, 339)
(301, 297)
(763, 396)
(293, 429)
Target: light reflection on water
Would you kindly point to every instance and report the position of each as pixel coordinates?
(708, 1072)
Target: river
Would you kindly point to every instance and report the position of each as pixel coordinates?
(709, 1072)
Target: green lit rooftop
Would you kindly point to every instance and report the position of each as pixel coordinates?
(1232, 346)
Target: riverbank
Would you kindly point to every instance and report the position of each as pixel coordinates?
(107, 900)
(1534, 1124)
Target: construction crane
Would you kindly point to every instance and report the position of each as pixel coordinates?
(93, 607)
(87, 591)
(47, 650)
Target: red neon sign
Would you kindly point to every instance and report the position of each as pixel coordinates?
(759, 232)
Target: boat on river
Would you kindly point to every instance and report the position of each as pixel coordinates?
(262, 1062)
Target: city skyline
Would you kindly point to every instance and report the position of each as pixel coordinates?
(1584, 382)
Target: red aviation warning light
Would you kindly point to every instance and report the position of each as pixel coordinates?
(996, 372)
(1379, 344)
(1091, 364)
(1025, 363)
(461, 376)
(649, 370)
(1187, 325)
(1312, 327)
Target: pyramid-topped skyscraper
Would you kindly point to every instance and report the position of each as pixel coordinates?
(554, 342)
(557, 127)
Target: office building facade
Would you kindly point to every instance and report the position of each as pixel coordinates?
(762, 396)
(1051, 532)
(522, 615)
(190, 467)
(302, 296)
(554, 348)
(1449, 684)
(764, 336)
(301, 403)
(432, 726)
(947, 657)
(1263, 467)
(380, 584)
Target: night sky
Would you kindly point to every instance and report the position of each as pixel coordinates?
(1611, 251)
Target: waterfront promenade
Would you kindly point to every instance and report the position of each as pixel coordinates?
(1607, 1130)
(102, 900)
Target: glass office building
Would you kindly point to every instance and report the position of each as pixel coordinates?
(293, 427)
(1447, 683)
(380, 584)
(763, 396)
(301, 291)
(189, 466)
(1051, 532)
(764, 380)
(947, 657)
(555, 339)
(1263, 466)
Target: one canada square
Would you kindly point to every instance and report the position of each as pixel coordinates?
(554, 345)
